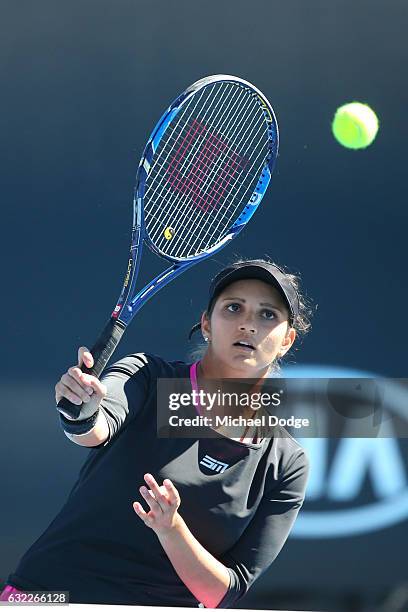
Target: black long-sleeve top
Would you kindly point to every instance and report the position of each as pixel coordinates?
(100, 551)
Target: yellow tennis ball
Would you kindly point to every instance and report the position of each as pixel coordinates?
(355, 125)
(169, 233)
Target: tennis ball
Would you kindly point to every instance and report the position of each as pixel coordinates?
(355, 125)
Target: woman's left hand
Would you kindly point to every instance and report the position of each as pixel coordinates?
(163, 501)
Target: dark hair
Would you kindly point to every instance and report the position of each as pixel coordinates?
(301, 324)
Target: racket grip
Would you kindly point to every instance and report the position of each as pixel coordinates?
(101, 351)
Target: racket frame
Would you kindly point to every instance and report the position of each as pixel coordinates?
(127, 306)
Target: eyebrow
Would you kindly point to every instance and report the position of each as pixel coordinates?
(261, 303)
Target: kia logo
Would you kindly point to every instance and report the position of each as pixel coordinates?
(342, 470)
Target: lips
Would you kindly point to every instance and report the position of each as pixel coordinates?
(244, 344)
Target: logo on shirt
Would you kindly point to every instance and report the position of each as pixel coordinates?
(214, 464)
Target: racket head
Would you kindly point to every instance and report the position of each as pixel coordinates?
(206, 168)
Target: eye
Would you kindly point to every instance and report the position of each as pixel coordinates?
(234, 307)
(268, 314)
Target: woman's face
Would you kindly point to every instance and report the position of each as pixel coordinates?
(253, 312)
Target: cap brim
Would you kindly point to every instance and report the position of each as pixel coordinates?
(249, 272)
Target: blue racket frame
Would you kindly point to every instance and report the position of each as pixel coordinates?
(127, 306)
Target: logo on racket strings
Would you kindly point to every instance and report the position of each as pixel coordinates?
(204, 167)
(169, 233)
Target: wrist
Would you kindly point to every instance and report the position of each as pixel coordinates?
(174, 530)
(78, 426)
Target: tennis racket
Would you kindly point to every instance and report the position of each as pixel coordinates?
(202, 175)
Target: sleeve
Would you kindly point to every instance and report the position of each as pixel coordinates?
(267, 532)
(129, 383)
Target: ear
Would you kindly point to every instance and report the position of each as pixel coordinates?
(287, 341)
(205, 325)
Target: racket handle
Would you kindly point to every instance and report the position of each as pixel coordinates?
(101, 351)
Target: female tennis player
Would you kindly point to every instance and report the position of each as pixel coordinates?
(177, 521)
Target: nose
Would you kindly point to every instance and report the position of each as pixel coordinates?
(248, 325)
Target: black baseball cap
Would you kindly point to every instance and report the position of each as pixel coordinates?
(258, 269)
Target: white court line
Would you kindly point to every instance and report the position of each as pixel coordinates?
(121, 608)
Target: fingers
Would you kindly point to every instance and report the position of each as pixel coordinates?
(148, 521)
(172, 493)
(166, 495)
(156, 490)
(62, 390)
(160, 498)
(163, 502)
(85, 380)
(79, 387)
(68, 388)
(74, 384)
(154, 503)
(85, 357)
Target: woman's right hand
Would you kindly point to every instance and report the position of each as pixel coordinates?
(78, 387)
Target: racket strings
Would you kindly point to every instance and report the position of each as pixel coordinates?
(223, 181)
(189, 110)
(193, 174)
(193, 184)
(206, 158)
(203, 153)
(204, 239)
(205, 168)
(224, 221)
(221, 217)
(175, 134)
